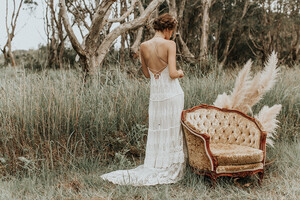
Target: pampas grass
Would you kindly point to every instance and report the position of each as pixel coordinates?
(267, 118)
(223, 101)
(239, 92)
(247, 93)
(261, 84)
(237, 96)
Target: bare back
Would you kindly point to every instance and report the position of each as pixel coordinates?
(155, 54)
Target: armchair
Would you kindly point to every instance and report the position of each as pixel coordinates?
(223, 142)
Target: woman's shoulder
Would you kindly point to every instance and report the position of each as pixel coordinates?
(163, 42)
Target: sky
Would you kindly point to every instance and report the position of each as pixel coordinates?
(30, 29)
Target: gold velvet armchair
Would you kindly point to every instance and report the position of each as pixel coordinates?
(223, 142)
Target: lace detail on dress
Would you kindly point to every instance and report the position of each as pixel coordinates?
(166, 153)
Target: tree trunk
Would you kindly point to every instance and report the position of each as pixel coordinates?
(217, 42)
(97, 46)
(11, 34)
(226, 49)
(205, 31)
(6, 60)
(110, 38)
(62, 40)
(230, 36)
(123, 35)
(183, 48)
(138, 36)
(53, 50)
(10, 55)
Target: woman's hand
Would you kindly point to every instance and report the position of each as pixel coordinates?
(180, 72)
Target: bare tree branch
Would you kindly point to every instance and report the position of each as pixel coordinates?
(97, 23)
(79, 16)
(126, 14)
(110, 38)
(135, 46)
(76, 45)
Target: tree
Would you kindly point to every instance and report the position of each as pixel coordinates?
(233, 27)
(7, 50)
(178, 14)
(11, 28)
(97, 42)
(55, 36)
(205, 31)
(275, 27)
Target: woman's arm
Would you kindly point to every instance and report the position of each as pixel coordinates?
(172, 61)
(144, 67)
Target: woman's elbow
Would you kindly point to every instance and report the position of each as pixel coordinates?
(147, 75)
(173, 75)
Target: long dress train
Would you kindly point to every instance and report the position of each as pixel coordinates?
(165, 159)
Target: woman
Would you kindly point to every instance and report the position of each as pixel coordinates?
(165, 158)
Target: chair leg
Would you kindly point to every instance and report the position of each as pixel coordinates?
(261, 176)
(213, 181)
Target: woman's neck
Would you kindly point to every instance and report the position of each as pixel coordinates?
(159, 34)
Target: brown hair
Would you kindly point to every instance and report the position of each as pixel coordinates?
(164, 21)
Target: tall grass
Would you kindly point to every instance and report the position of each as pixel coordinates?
(52, 119)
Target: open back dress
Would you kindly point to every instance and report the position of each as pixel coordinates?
(165, 159)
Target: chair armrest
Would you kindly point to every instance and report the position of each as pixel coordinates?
(263, 138)
(206, 140)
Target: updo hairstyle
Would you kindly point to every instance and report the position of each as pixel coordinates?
(164, 21)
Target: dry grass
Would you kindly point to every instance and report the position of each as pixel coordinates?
(83, 182)
(57, 137)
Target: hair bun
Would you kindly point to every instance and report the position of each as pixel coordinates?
(164, 21)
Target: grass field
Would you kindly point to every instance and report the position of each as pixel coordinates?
(57, 136)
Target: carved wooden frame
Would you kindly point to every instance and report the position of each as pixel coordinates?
(205, 137)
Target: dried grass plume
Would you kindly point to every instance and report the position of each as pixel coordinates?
(249, 91)
(267, 118)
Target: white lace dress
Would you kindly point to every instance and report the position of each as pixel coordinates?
(165, 158)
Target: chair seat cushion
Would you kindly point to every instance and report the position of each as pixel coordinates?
(239, 168)
(233, 154)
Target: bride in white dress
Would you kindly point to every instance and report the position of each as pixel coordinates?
(165, 159)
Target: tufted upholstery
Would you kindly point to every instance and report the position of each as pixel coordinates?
(223, 142)
(224, 127)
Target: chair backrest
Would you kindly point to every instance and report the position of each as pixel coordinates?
(224, 125)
